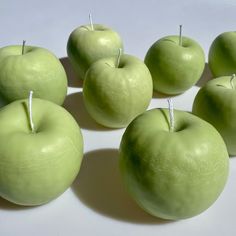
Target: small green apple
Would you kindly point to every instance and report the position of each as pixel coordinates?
(222, 55)
(36, 69)
(86, 45)
(36, 167)
(115, 95)
(174, 67)
(173, 175)
(216, 103)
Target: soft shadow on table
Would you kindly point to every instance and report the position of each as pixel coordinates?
(75, 105)
(6, 205)
(162, 95)
(2, 103)
(73, 80)
(206, 76)
(99, 186)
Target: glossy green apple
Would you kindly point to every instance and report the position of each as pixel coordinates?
(115, 95)
(175, 68)
(216, 103)
(37, 69)
(36, 167)
(222, 54)
(86, 46)
(173, 175)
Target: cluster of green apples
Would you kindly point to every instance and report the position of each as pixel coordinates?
(178, 171)
(117, 87)
(215, 102)
(41, 145)
(172, 174)
(174, 164)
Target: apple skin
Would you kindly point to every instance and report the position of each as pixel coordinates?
(38, 70)
(222, 55)
(115, 96)
(85, 46)
(173, 175)
(175, 68)
(36, 168)
(216, 103)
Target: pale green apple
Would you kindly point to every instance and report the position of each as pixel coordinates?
(113, 95)
(175, 68)
(216, 103)
(37, 69)
(222, 54)
(36, 167)
(86, 45)
(173, 175)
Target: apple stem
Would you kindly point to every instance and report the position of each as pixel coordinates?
(23, 48)
(231, 81)
(91, 21)
(30, 111)
(171, 114)
(180, 35)
(118, 58)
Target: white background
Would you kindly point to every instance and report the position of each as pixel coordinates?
(97, 204)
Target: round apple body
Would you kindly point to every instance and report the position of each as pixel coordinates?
(36, 167)
(173, 175)
(216, 103)
(114, 96)
(222, 55)
(85, 46)
(37, 69)
(175, 68)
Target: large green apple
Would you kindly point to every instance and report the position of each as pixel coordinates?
(115, 95)
(173, 175)
(36, 167)
(222, 54)
(36, 69)
(216, 103)
(87, 45)
(175, 68)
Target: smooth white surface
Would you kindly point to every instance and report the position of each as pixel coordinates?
(97, 203)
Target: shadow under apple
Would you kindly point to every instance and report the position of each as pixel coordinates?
(73, 79)
(3, 102)
(9, 206)
(75, 105)
(99, 186)
(6, 205)
(206, 76)
(162, 95)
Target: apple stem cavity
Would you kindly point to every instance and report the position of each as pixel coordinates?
(23, 48)
(171, 114)
(180, 35)
(231, 81)
(118, 58)
(30, 111)
(91, 21)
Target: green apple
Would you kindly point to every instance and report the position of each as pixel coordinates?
(222, 55)
(87, 45)
(36, 167)
(36, 69)
(173, 175)
(174, 67)
(216, 103)
(115, 95)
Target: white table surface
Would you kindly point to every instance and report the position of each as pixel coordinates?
(97, 204)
